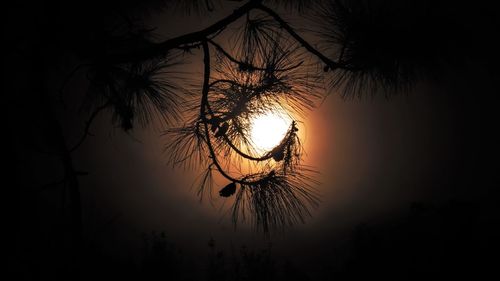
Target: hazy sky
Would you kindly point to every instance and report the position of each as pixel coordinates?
(375, 156)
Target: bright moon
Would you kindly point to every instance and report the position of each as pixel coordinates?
(268, 129)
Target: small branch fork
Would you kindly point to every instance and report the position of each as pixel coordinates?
(206, 113)
(195, 39)
(88, 124)
(247, 65)
(199, 38)
(203, 115)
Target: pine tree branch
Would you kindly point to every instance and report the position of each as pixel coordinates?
(247, 65)
(88, 124)
(203, 112)
(204, 103)
(330, 63)
(193, 39)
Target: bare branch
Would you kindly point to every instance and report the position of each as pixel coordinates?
(88, 124)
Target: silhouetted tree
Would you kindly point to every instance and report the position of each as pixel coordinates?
(352, 47)
(267, 65)
(247, 265)
(161, 258)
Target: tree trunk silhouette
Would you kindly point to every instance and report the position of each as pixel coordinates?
(70, 181)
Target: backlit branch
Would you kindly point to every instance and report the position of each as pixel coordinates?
(193, 39)
(265, 71)
(284, 202)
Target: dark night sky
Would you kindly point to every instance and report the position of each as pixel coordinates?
(376, 156)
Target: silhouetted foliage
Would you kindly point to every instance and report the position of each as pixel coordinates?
(267, 66)
(246, 265)
(443, 241)
(363, 47)
(161, 258)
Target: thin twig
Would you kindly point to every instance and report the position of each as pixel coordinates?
(88, 124)
(249, 65)
(330, 63)
(193, 39)
(66, 81)
(203, 107)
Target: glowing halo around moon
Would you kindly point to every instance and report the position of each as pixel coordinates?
(267, 130)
